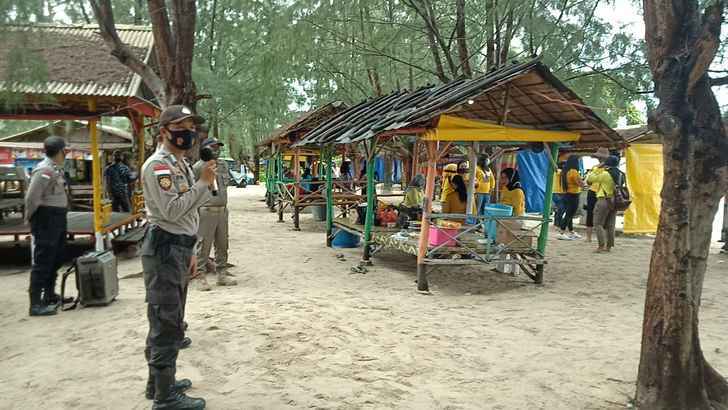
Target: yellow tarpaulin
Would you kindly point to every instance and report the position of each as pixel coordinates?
(451, 128)
(644, 180)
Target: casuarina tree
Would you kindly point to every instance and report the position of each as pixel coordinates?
(683, 37)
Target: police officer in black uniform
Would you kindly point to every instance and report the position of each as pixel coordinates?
(172, 198)
(118, 177)
(46, 204)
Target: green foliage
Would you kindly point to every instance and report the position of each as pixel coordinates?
(262, 62)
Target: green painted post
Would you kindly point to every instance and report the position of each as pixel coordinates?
(370, 201)
(328, 157)
(543, 237)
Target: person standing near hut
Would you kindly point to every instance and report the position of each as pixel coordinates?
(571, 184)
(214, 222)
(605, 215)
(46, 205)
(172, 200)
(118, 177)
(484, 184)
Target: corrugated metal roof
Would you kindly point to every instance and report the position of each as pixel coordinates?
(306, 121)
(77, 60)
(538, 100)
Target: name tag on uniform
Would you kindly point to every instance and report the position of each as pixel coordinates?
(164, 176)
(46, 174)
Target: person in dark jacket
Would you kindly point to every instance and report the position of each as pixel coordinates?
(118, 177)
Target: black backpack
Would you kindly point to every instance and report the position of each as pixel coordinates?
(622, 199)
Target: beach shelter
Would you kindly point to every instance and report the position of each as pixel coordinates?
(81, 81)
(517, 107)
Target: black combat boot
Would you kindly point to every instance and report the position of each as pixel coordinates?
(184, 343)
(167, 398)
(180, 386)
(37, 308)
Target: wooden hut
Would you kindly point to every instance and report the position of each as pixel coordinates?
(518, 107)
(77, 79)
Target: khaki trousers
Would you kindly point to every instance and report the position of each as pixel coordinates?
(605, 218)
(213, 229)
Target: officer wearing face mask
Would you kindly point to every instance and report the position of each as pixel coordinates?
(172, 198)
(214, 222)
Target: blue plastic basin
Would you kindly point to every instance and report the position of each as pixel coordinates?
(344, 239)
(495, 210)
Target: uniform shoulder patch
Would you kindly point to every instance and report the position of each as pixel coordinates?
(165, 182)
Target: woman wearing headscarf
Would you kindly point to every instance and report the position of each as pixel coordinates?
(456, 200)
(571, 184)
(414, 194)
(511, 192)
(448, 172)
(605, 215)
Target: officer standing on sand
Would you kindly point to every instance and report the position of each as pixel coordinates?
(214, 222)
(168, 254)
(46, 205)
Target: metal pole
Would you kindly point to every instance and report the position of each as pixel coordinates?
(96, 178)
(724, 233)
(329, 195)
(543, 237)
(370, 200)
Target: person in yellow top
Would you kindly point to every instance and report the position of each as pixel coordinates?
(571, 184)
(456, 200)
(591, 197)
(511, 192)
(448, 172)
(605, 216)
(484, 184)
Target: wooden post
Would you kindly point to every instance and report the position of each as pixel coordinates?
(422, 284)
(328, 155)
(473, 159)
(371, 194)
(96, 178)
(543, 237)
(296, 189)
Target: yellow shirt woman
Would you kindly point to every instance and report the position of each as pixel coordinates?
(558, 189)
(448, 172)
(515, 198)
(485, 181)
(573, 182)
(603, 182)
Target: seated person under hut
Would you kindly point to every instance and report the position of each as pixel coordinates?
(511, 192)
(456, 199)
(414, 197)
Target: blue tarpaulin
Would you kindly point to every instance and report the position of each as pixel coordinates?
(532, 167)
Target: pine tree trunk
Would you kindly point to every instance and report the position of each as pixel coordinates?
(673, 373)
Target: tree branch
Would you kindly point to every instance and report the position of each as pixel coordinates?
(107, 29)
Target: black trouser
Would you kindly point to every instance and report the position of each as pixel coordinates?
(591, 201)
(165, 261)
(558, 209)
(120, 202)
(48, 229)
(571, 205)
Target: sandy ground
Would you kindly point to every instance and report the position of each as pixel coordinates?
(301, 331)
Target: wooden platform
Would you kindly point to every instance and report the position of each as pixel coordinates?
(465, 254)
(79, 223)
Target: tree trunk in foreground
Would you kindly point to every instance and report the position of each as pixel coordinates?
(673, 374)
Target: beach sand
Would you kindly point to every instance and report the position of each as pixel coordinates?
(302, 331)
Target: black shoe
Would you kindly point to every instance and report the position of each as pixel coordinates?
(185, 326)
(43, 310)
(56, 298)
(185, 343)
(179, 401)
(180, 386)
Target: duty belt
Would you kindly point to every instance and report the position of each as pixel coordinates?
(163, 236)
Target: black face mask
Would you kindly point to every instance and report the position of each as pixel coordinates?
(182, 139)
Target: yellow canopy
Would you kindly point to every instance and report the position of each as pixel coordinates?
(450, 128)
(644, 180)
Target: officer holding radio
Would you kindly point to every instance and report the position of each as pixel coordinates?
(46, 204)
(172, 199)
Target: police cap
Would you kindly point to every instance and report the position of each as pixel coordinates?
(176, 113)
(53, 145)
(210, 142)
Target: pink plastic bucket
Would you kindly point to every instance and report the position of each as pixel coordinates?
(440, 236)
